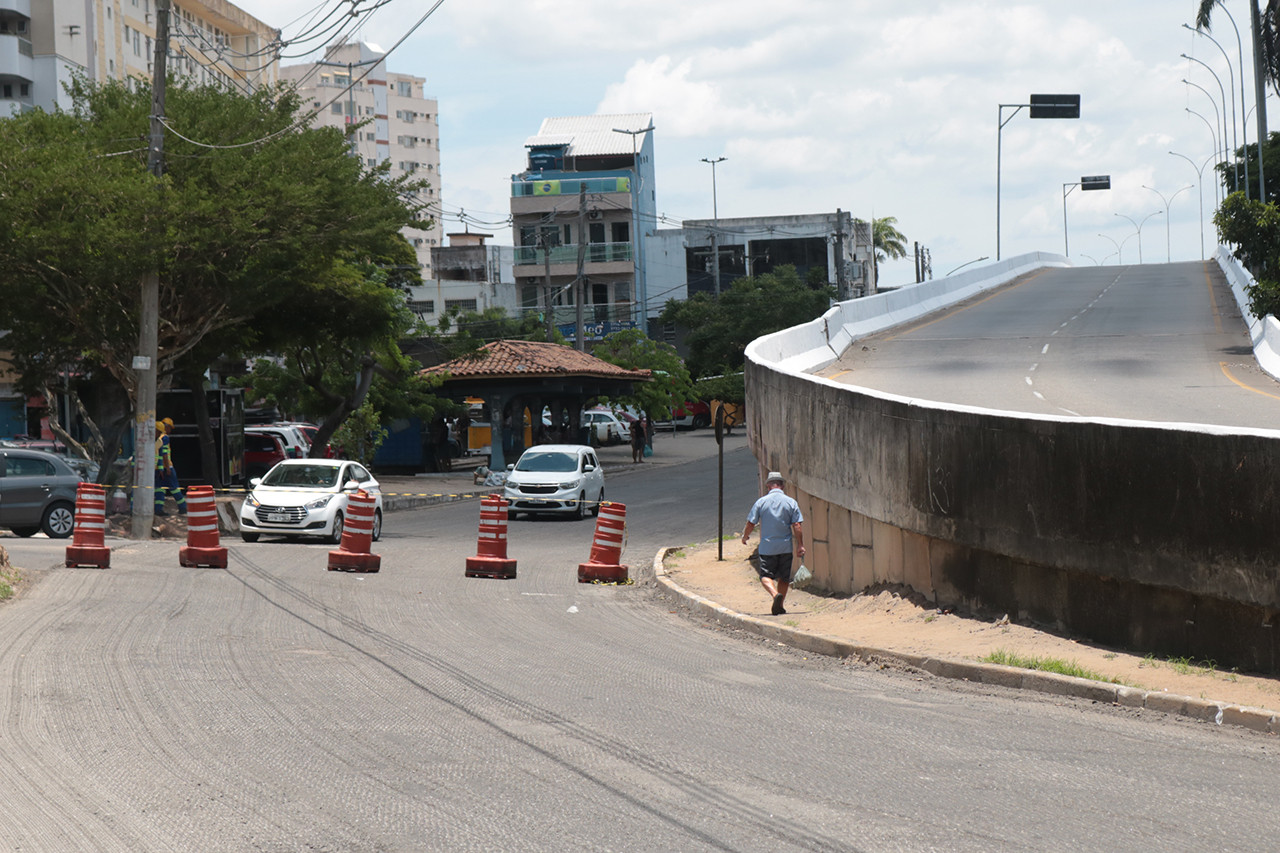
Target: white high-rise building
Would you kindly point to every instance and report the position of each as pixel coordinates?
(402, 126)
(43, 43)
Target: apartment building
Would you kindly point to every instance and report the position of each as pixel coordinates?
(44, 43)
(388, 117)
(587, 196)
(470, 275)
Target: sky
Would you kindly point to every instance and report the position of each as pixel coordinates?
(877, 108)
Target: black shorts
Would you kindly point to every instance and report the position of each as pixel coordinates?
(776, 566)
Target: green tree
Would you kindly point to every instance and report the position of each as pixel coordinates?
(1253, 227)
(634, 350)
(718, 331)
(243, 227)
(360, 435)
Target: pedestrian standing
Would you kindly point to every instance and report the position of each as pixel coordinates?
(781, 534)
(166, 474)
(637, 441)
(648, 431)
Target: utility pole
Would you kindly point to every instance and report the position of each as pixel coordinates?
(146, 362)
(1260, 89)
(715, 225)
(842, 286)
(548, 317)
(580, 284)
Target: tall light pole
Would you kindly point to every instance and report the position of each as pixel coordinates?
(1235, 144)
(1223, 93)
(1041, 106)
(1168, 257)
(1138, 226)
(1244, 118)
(1119, 250)
(1216, 197)
(641, 285)
(715, 226)
(1219, 128)
(1200, 184)
(1086, 183)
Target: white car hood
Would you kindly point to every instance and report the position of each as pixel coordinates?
(542, 478)
(288, 496)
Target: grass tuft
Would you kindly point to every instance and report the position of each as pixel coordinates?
(1046, 664)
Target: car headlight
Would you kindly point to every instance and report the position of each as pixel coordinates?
(571, 484)
(318, 503)
(250, 500)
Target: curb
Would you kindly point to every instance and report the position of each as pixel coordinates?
(1203, 710)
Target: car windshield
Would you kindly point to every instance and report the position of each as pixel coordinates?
(302, 476)
(548, 462)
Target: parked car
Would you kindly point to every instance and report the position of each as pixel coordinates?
(555, 478)
(37, 492)
(306, 497)
(295, 442)
(607, 427)
(261, 452)
(309, 433)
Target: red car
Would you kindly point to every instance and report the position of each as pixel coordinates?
(261, 452)
(692, 415)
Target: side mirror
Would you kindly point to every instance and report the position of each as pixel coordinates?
(350, 486)
(587, 469)
(511, 466)
(253, 484)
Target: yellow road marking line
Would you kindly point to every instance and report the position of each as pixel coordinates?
(1227, 373)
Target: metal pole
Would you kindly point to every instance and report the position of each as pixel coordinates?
(715, 228)
(1119, 251)
(1066, 251)
(1222, 92)
(1214, 136)
(1167, 201)
(1244, 120)
(1259, 95)
(1232, 87)
(1200, 186)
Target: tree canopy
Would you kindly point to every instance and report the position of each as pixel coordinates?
(718, 330)
(634, 350)
(255, 218)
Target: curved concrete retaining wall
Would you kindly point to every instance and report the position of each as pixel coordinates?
(1155, 537)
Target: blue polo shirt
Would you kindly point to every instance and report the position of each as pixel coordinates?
(774, 513)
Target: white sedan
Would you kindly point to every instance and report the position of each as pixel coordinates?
(555, 478)
(306, 497)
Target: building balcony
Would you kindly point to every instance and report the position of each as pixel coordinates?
(597, 253)
(570, 186)
(16, 58)
(20, 7)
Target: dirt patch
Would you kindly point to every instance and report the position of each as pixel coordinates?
(897, 620)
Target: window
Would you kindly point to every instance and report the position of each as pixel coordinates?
(372, 162)
(460, 304)
(404, 88)
(25, 90)
(8, 90)
(336, 109)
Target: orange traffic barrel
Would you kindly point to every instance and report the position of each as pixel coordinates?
(353, 554)
(605, 562)
(491, 559)
(87, 548)
(202, 548)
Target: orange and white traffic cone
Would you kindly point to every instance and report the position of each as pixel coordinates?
(491, 558)
(353, 554)
(87, 548)
(202, 548)
(606, 549)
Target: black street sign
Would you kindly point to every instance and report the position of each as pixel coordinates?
(1055, 106)
(1095, 182)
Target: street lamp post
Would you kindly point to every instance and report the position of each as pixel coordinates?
(1216, 197)
(1223, 93)
(715, 224)
(1138, 226)
(1220, 132)
(1244, 118)
(1119, 249)
(1200, 185)
(641, 295)
(966, 263)
(1168, 257)
(1235, 144)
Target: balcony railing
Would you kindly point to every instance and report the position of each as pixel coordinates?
(570, 186)
(597, 253)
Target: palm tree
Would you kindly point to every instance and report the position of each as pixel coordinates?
(888, 241)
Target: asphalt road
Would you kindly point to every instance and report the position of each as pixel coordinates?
(276, 706)
(1160, 342)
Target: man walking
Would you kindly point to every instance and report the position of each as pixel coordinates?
(781, 524)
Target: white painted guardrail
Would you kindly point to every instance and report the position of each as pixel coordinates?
(1264, 332)
(814, 345)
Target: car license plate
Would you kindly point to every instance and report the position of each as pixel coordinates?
(277, 517)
